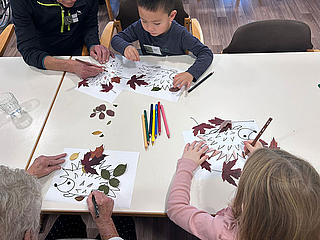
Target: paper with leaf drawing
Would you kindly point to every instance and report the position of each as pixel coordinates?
(141, 77)
(226, 146)
(112, 172)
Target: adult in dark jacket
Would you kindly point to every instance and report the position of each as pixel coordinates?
(47, 28)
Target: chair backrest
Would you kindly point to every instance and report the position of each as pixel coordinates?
(5, 37)
(271, 36)
(128, 13)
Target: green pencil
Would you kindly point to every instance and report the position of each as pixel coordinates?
(146, 123)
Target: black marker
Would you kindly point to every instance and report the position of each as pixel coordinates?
(96, 209)
(198, 83)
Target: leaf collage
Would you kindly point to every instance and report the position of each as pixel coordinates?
(101, 111)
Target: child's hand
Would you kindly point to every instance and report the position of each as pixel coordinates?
(182, 79)
(251, 149)
(194, 152)
(131, 53)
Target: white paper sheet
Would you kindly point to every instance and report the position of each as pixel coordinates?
(71, 181)
(226, 146)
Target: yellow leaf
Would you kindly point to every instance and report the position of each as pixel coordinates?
(96, 132)
(74, 156)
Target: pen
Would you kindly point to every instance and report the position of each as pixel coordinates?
(259, 134)
(96, 209)
(201, 81)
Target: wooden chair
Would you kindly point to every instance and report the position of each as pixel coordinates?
(271, 36)
(5, 37)
(128, 13)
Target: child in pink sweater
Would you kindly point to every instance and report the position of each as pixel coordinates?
(278, 198)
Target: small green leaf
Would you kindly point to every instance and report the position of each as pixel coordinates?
(119, 170)
(105, 174)
(108, 123)
(104, 188)
(114, 182)
(155, 89)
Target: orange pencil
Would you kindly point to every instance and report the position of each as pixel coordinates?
(144, 132)
(165, 121)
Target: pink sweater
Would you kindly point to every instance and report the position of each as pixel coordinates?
(195, 221)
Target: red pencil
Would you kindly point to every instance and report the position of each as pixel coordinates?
(165, 121)
(159, 119)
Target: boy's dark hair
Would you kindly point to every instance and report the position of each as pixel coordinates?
(154, 5)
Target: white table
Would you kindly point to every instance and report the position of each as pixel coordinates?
(244, 86)
(35, 90)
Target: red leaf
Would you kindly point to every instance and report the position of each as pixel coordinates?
(134, 80)
(110, 113)
(106, 88)
(227, 173)
(84, 83)
(174, 89)
(115, 79)
(206, 165)
(274, 144)
(225, 126)
(87, 163)
(201, 127)
(98, 152)
(216, 121)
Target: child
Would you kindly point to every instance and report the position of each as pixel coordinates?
(278, 198)
(159, 34)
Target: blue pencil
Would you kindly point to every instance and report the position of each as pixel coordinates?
(150, 125)
(156, 125)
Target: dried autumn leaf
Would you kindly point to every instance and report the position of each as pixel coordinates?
(93, 115)
(263, 143)
(103, 107)
(155, 89)
(106, 88)
(74, 156)
(101, 135)
(97, 152)
(206, 165)
(174, 89)
(79, 198)
(201, 127)
(135, 81)
(228, 173)
(216, 121)
(114, 182)
(119, 170)
(84, 83)
(110, 113)
(115, 105)
(273, 144)
(225, 125)
(104, 188)
(87, 163)
(115, 79)
(96, 133)
(108, 123)
(102, 115)
(105, 174)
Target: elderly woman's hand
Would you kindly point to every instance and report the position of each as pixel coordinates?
(101, 53)
(44, 165)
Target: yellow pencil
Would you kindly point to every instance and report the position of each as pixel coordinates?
(153, 125)
(144, 132)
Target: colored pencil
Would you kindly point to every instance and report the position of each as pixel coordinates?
(144, 132)
(159, 119)
(165, 121)
(156, 123)
(150, 125)
(259, 134)
(96, 209)
(153, 125)
(146, 126)
(201, 81)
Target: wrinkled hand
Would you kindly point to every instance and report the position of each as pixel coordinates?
(250, 148)
(195, 151)
(84, 71)
(104, 222)
(182, 79)
(44, 165)
(131, 53)
(100, 53)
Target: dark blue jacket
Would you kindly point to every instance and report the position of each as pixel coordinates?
(41, 31)
(174, 42)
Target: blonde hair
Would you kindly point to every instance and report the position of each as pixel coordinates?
(278, 198)
(20, 204)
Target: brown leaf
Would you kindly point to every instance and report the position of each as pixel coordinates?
(216, 121)
(273, 144)
(135, 81)
(206, 165)
(96, 133)
(92, 115)
(102, 107)
(84, 83)
(201, 127)
(98, 152)
(227, 173)
(110, 113)
(174, 89)
(102, 115)
(115, 79)
(106, 88)
(79, 198)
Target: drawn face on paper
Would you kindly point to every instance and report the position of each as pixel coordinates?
(246, 133)
(66, 186)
